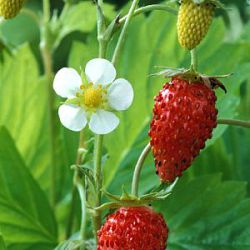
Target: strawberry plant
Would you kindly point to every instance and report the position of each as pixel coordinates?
(124, 127)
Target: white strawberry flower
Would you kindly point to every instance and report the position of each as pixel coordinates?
(93, 100)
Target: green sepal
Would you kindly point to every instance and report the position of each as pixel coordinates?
(170, 72)
(192, 76)
(73, 101)
(127, 199)
(185, 74)
(160, 193)
(126, 196)
(111, 196)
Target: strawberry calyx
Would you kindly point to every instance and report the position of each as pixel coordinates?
(128, 200)
(215, 3)
(192, 76)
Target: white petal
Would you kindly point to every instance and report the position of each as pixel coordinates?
(103, 122)
(72, 117)
(67, 82)
(100, 71)
(120, 94)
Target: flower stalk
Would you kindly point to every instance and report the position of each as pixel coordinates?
(194, 59)
(101, 27)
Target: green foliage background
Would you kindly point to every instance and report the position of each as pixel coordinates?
(210, 207)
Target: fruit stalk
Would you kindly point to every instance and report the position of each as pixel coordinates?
(138, 168)
(148, 8)
(194, 59)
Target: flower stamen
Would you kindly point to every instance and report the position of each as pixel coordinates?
(92, 97)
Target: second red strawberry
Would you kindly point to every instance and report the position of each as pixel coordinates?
(184, 117)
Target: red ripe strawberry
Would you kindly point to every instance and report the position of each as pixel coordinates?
(184, 117)
(133, 228)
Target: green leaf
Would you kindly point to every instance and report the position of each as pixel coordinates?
(2, 244)
(23, 108)
(207, 213)
(26, 219)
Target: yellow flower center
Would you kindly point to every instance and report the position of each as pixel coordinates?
(92, 97)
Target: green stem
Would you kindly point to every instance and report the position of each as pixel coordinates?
(150, 8)
(46, 10)
(240, 123)
(138, 168)
(76, 178)
(124, 32)
(98, 179)
(97, 217)
(194, 59)
(101, 29)
(48, 70)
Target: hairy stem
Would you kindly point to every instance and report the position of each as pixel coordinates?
(138, 168)
(97, 217)
(150, 8)
(101, 29)
(98, 179)
(46, 10)
(233, 122)
(124, 31)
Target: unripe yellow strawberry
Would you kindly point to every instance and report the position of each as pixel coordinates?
(193, 22)
(10, 8)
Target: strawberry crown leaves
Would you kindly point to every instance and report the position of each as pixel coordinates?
(193, 76)
(126, 199)
(216, 3)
